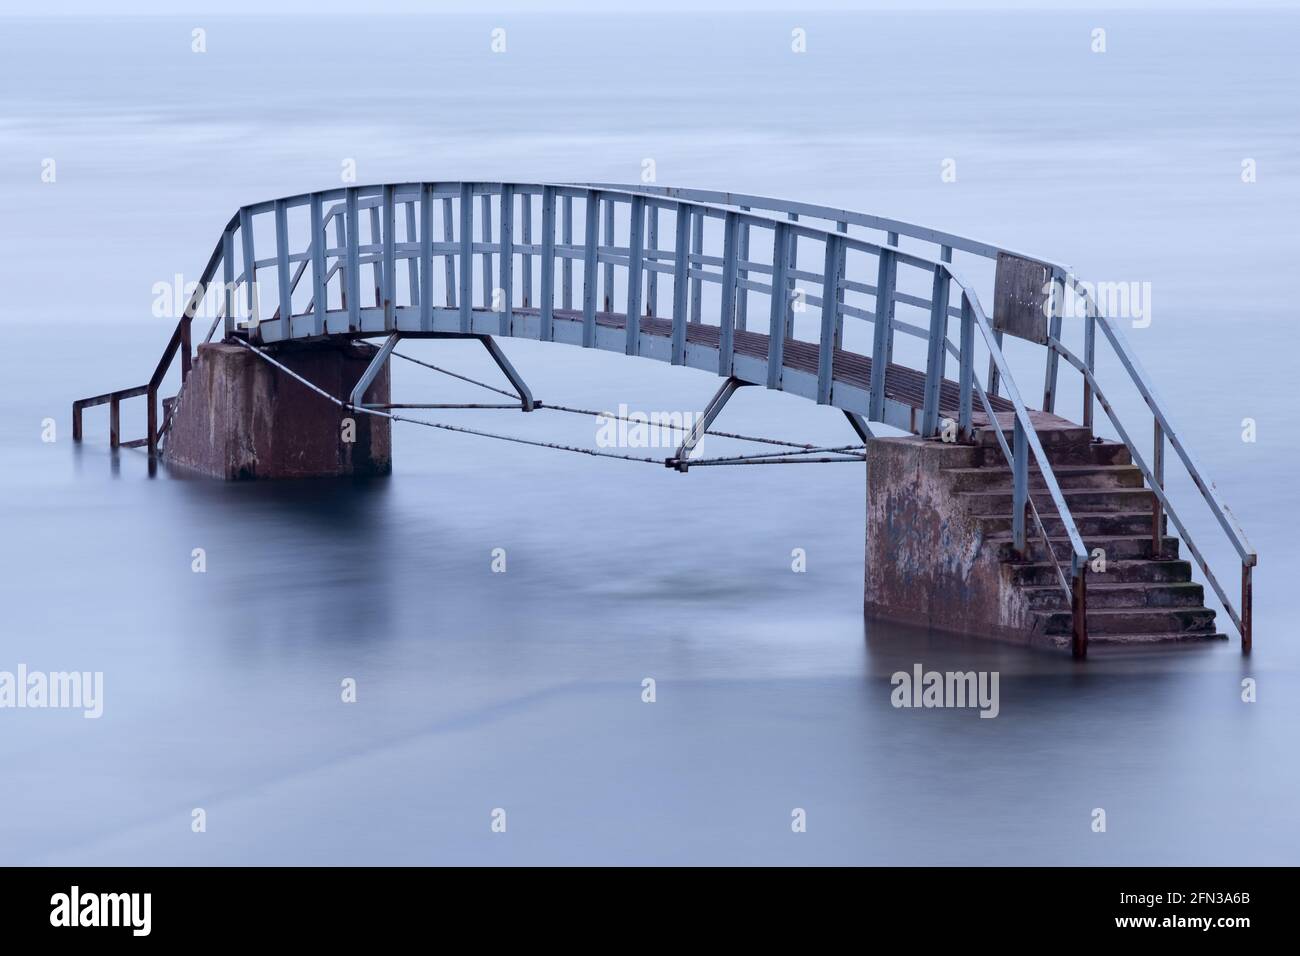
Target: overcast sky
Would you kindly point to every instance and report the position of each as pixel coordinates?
(218, 7)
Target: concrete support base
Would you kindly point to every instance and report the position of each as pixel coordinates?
(238, 417)
(927, 561)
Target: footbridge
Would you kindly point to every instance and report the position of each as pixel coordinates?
(985, 514)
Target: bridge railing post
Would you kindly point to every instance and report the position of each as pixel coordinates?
(426, 257)
(566, 237)
(390, 259)
(936, 352)
(742, 276)
(449, 258)
(507, 264)
(353, 261)
(1090, 361)
(697, 250)
(652, 246)
(830, 324)
(485, 227)
(466, 290)
(317, 247)
(792, 265)
(842, 228)
(608, 286)
(286, 306)
(1019, 483)
(1053, 357)
(882, 349)
(228, 277)
(681, 267)
(1158, 476)
(777, 319)
(590, 251)
(377, 265)
(1247, 591)
(412, 263)
(546, 332)
(250, 264)
(526, 256)
(966, 374)
(727, 316)
(635, 261)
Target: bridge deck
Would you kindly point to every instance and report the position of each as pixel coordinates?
(902, 384)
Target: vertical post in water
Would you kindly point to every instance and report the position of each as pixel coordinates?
(1158, 481)
(882, 348)
(1020, 485)
(1246, 596)
(1079, 613)
(635, 262)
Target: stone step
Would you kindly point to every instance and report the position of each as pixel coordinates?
(1135, 639)
(991, 478)
(1144, 620)
(1117, 572)
(999, 502)
(1049, 597)
(1116, 547)
(1088, 522)
(1075, 451)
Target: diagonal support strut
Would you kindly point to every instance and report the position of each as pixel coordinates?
(681, 460)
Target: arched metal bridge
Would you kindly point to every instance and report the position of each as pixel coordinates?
(803, 298)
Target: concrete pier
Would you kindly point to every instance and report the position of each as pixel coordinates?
(940, 548)
(239, 418)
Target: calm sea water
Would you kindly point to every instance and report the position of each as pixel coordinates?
(522, 690)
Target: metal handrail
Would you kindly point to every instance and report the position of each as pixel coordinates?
(691, 265)
(1128, 359)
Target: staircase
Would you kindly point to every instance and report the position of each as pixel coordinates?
(1144, 595)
